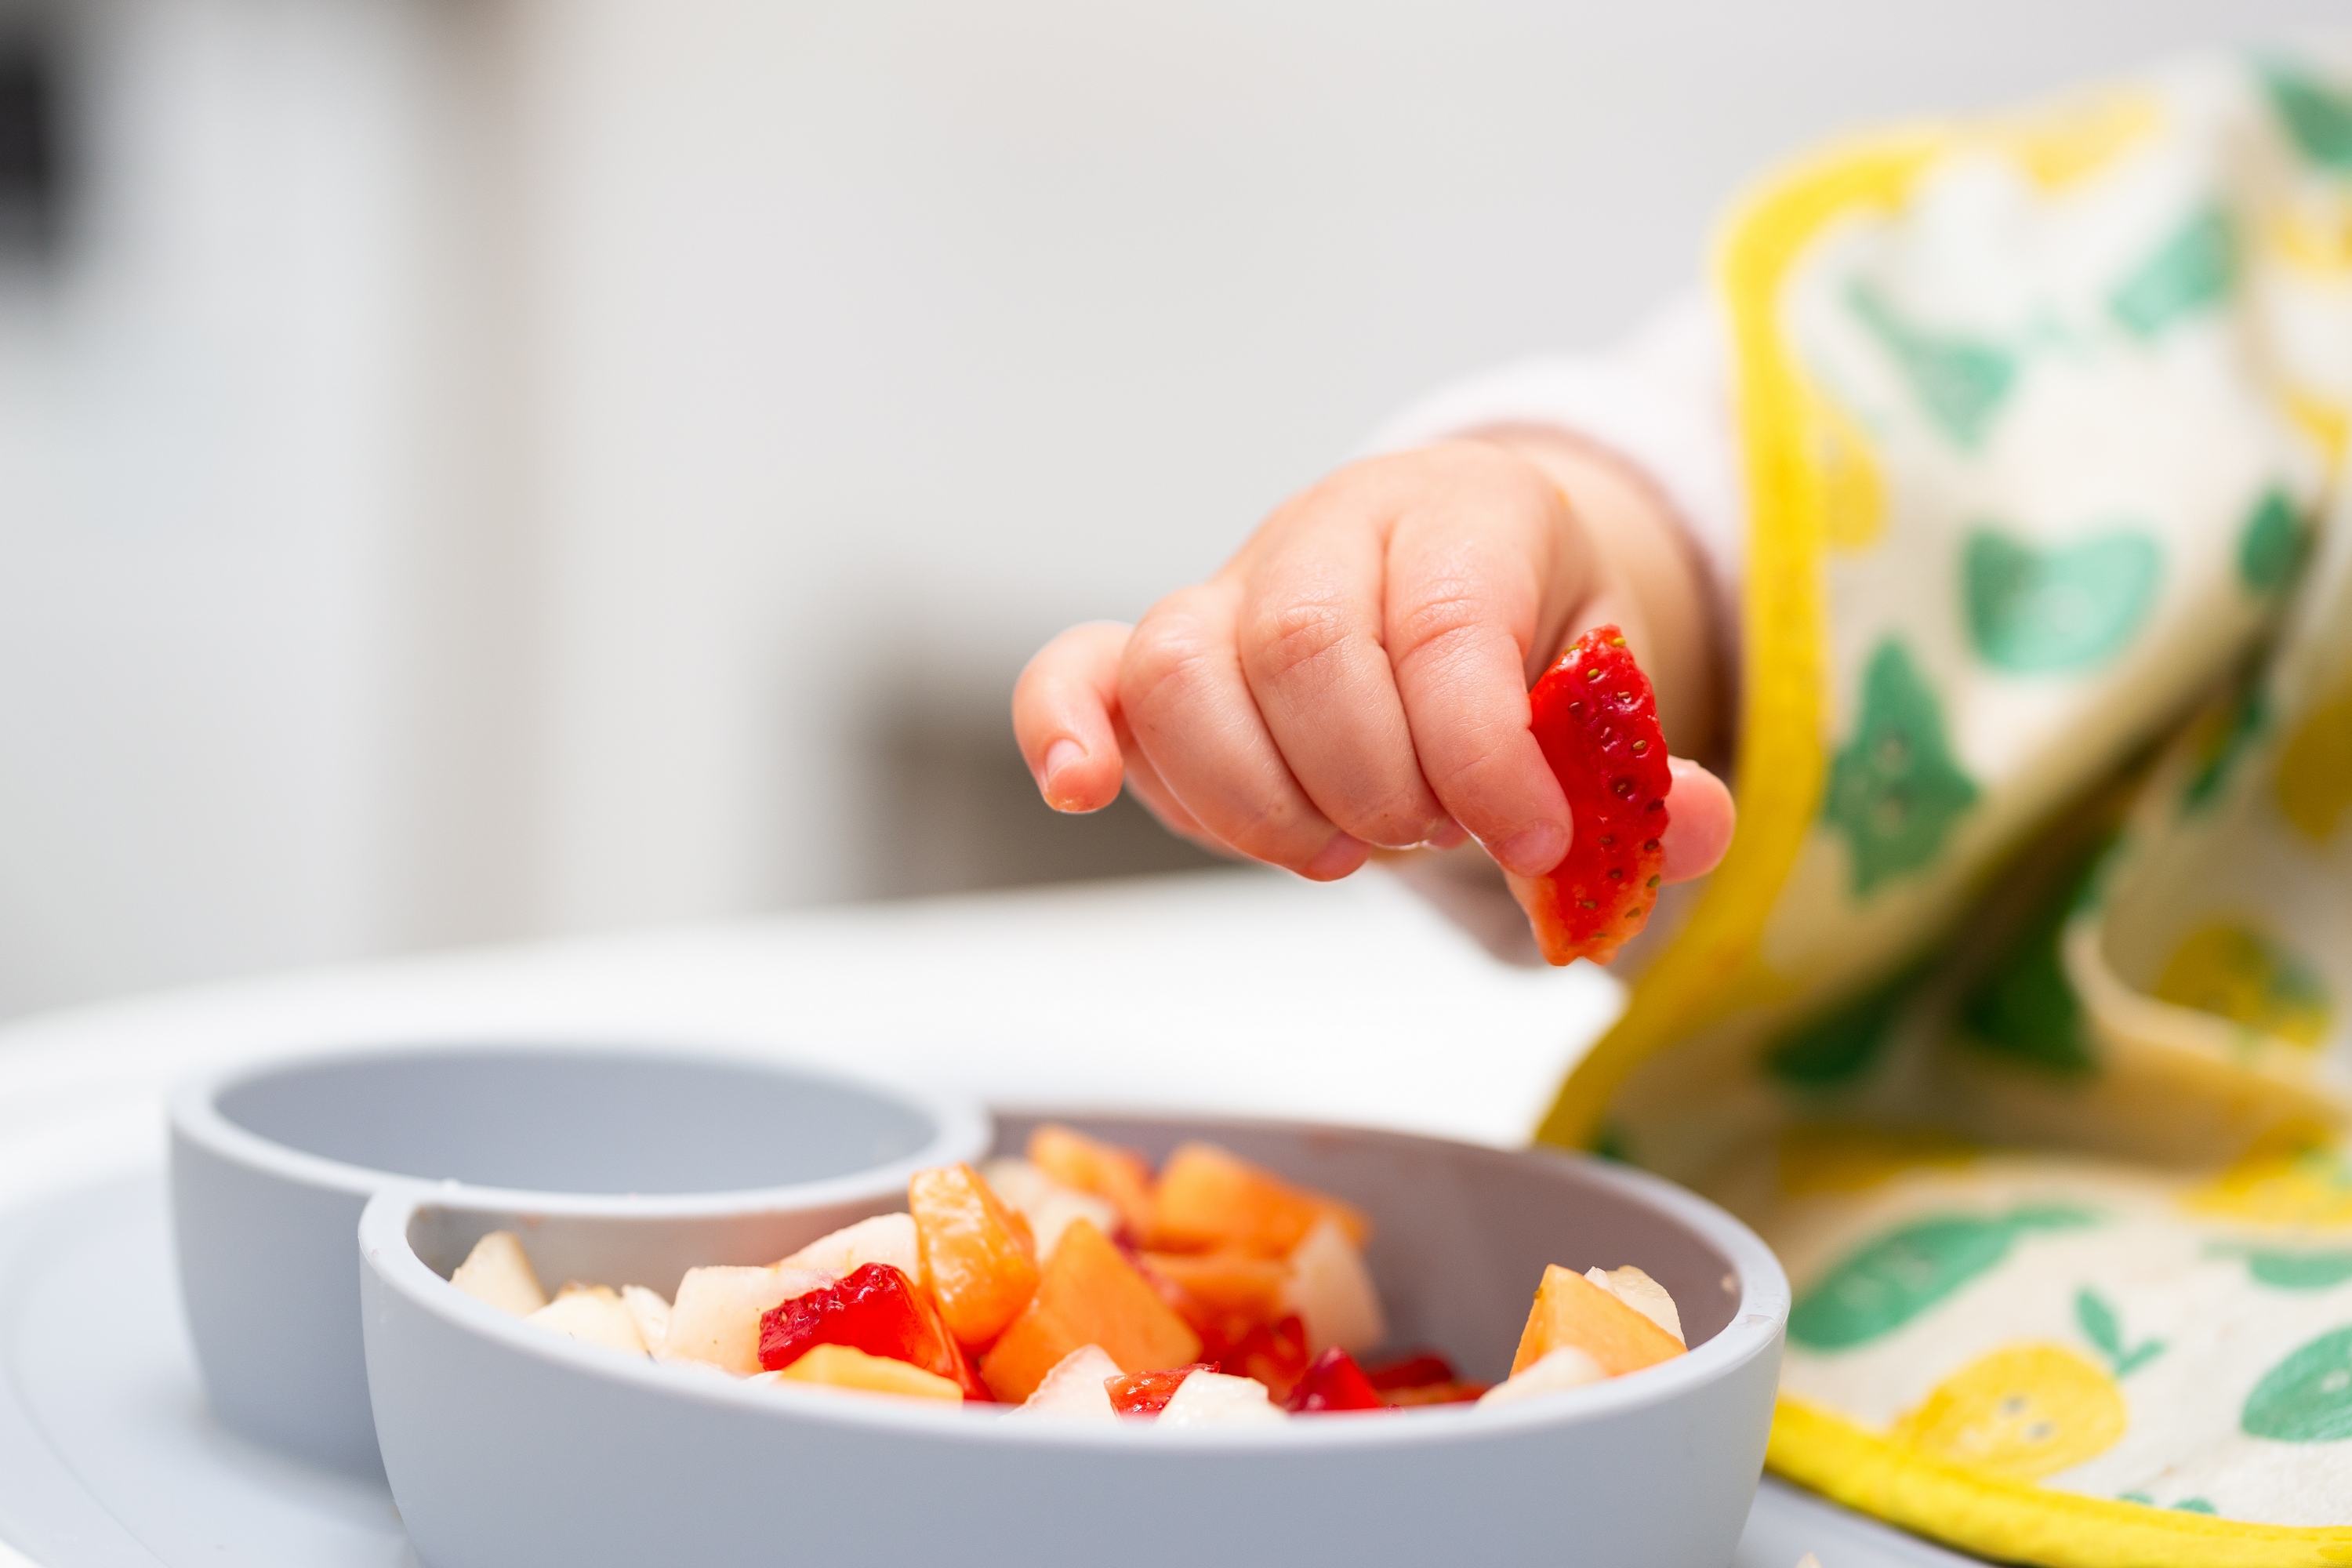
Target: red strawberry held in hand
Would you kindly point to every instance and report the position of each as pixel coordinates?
(1597, 723)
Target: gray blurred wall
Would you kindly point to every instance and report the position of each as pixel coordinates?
(476, 469)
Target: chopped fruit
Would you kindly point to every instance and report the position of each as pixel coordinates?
(1334, 1382)
(1411, 1372)
(1433, 1394)
(875, 1309)
(717, 1315)
(1571, 1310)
(1209, 1199)
(1597, 721)
(650, 1312)
(1088, 1294)
(591, 1314)
(1077, 1387)
(951, 1301)
(1122, 1175)
(1332, 1290)
(1046, 1204)
(1566, 1367)
(978, 1257)
(844, 1366)
(1218, 1399)
(1148, 1392)
(1275, 1353)
(498, 1272)
(1237, 1284)
(1642, 1293)
(885, 1238)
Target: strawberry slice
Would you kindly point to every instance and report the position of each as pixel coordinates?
(1597, 723)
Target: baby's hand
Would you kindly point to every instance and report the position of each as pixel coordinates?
(1358, 675)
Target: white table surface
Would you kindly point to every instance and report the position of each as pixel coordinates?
(1227, 990)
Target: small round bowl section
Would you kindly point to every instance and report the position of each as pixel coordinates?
(272, 1163)
(504, 1442)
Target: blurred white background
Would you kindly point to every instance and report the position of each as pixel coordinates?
(472, 468)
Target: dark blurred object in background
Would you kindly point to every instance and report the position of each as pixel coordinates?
(32, 173)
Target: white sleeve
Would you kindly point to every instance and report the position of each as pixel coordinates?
(1661, 402)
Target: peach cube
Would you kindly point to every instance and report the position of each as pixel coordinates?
(1088, 1294)
(1210, 1198)
(1571, 1311)
(978, 1257)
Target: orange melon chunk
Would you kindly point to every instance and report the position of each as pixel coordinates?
(977, 1254)
(1089, 1295)
(1571, 1310)
(1210, 1199)
(1105, 1169)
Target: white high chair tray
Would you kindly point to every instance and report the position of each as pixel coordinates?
(108, 1456)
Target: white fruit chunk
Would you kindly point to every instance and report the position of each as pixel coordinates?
(592, 1314)
(1217, 1399)
(498, 1272)
(1049, 1206)
(650, 1312)
(1643, 1294)
(716, 1318)
(1564, 1368)
(885, 1238)
(1074, 1388)
(1331, 1291)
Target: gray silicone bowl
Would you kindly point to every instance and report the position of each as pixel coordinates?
(272, 1163)
(505, 1444)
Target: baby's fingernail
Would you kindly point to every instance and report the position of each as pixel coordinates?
(1061, 756)
(1446, 835)
(1334, 860)
(1534, 849)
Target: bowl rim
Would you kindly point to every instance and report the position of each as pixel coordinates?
(1759, 1321)
(962, 1129)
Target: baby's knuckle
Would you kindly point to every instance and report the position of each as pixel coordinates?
(1294, 639)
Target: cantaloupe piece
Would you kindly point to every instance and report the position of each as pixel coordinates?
(1090, 1165)
(1209, 1198)
(979, 1258)
(1088, 1294)
(1237, 1282)
(498, 1272)
(1571, 1310)
(1566, 1367)
(845, 1366)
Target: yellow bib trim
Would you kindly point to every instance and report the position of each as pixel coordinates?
(2015, 1521)
(1789, 459)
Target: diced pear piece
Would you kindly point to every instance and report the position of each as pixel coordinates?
(650, 1311)
(1571, 1310)
(716, 1318)
(845, 1366)
(1331, 1291)
(592, 1314)
(498, 1272)
(1218, 1399)
(1643, 1294)
(884, 1238)
(1049, 1206)
(1566, 1367)
(1076, 1387)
